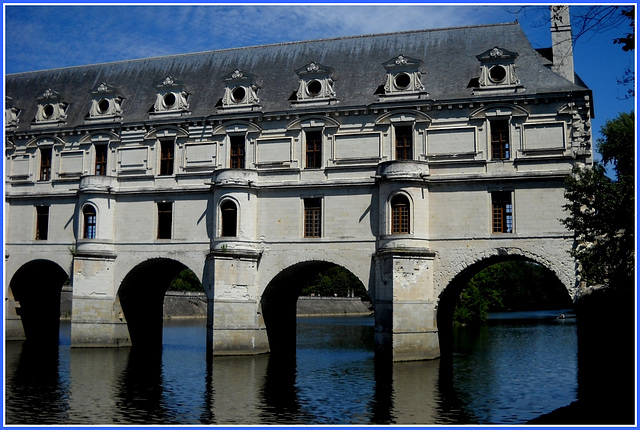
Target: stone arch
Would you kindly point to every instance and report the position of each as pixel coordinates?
(278, 303)
(36, 288)
(141, 296)
(448, 296)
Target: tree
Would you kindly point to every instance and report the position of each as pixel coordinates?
(336, 281)
(186, 281)
(509, 286)
(602, 209)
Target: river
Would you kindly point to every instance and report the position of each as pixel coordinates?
(514, 368)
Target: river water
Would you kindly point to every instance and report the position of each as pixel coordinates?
(514, 368)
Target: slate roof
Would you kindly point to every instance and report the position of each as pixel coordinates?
(448, 55)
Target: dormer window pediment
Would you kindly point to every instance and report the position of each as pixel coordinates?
(51, 109)
(171, 98)
(404, 78)
(315, 85)
(497, 70)
(106, 103)
(240, 91)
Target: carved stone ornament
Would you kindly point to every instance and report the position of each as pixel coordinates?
(400, 60)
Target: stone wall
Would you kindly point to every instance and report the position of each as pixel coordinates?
(309, 306)
(182, 304)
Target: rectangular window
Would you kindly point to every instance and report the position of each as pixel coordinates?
(500, 139)
(101, 160)
(42, 222)
(314, 149)
(45, 164)
(166, 157)
(237, 152)
(165, 215)
(502, 209)
(404, 142)
(312, 217)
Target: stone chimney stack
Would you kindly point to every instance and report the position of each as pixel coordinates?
(561, 42)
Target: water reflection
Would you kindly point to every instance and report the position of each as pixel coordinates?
(34, 369)
(504, 373)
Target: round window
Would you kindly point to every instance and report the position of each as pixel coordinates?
(238, 94)
(497, 73)
(103, 106)
(314, 88)
(402, 80)
(48, 111)
(169, 100)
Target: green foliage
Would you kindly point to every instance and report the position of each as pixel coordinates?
(186, 281)
(509, 286)
(335, 281)
(602, 210)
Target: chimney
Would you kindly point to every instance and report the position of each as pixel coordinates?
(561, 42)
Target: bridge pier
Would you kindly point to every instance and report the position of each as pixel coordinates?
(97, 319)
(234, 323)
(405, 311)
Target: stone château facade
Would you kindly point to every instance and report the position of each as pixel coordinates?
(412, 159)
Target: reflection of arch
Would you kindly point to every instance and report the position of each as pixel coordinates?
(37, 286)
(89, 222)
(229, 218)
(141, 295)
(279, 300)
(451, 292)
(400, 214)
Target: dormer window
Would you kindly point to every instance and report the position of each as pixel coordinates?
(497, 70)
(315, 85)
(106, 104)
(404, 79)
(51, 109)
(11, 113)
(240, 92)
(171, 98)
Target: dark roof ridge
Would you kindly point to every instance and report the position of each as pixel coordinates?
(266, 45)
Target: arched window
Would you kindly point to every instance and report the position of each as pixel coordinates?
(89, 216)
(229, 213)
(400, 220)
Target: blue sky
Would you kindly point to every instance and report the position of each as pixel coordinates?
(46, 36)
